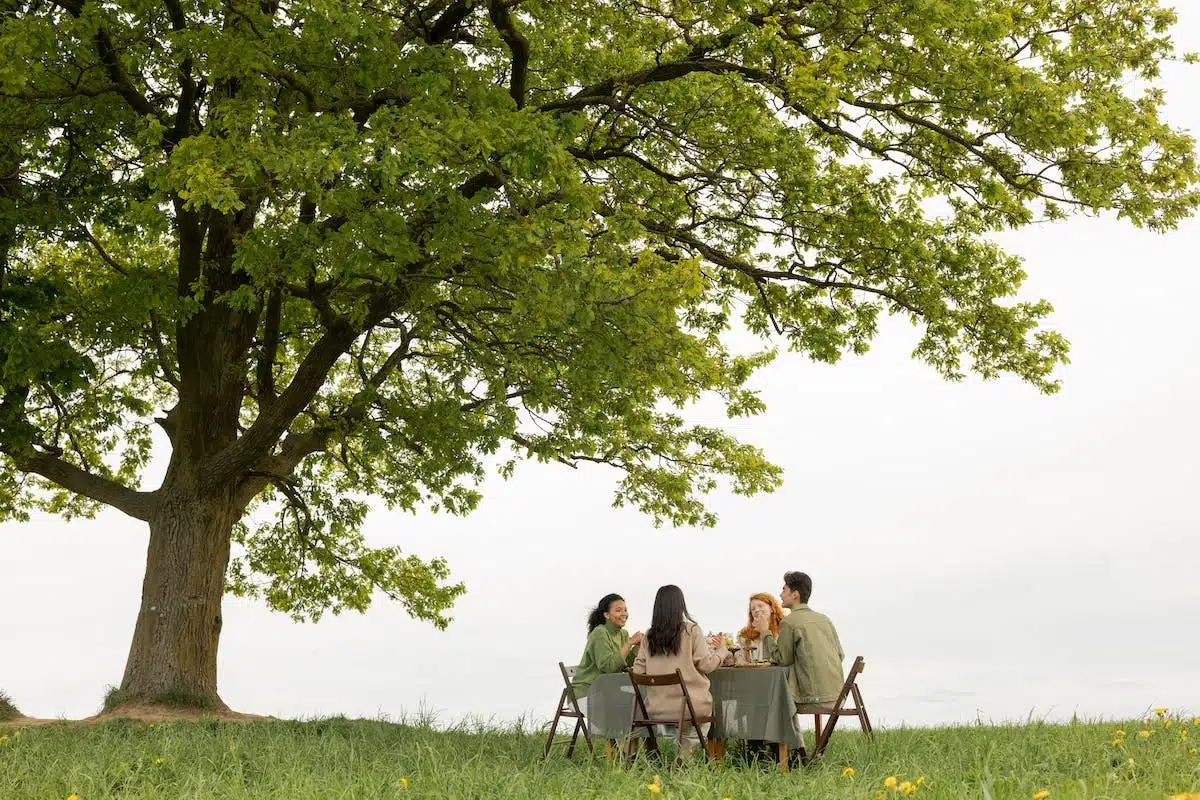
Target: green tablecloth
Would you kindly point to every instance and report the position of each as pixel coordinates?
(747, 704)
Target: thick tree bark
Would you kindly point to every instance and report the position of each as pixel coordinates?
(174, 652)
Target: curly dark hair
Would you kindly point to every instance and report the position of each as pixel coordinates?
(596, 615)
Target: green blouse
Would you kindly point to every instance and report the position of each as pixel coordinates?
(602, 655)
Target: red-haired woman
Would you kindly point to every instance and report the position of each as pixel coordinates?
(749, 635)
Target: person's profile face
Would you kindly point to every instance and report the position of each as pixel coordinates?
(617, 613)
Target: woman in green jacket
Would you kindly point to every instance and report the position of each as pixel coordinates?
(609, 646)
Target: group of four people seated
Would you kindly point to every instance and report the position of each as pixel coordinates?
(802, 640)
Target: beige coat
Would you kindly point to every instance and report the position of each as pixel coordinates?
(694, 659)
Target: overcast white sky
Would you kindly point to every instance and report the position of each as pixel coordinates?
(992, 552)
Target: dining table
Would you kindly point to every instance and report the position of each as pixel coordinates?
(749, 702)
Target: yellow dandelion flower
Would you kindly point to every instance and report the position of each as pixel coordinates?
(1131, 763)
(72, 797)
(151, 726)
(890, 781)
(921, 781)
(1119, 734)
(907, 788)
(848, 772)
(1161, 711)
(1166, 723)
(1144, 734)
(158, 762)
(1196, 722)
(1186, 796)
(3, 739)
(654, 788)
(1041, 794)
(404, 783)
(1192, 751)
(1183, 734)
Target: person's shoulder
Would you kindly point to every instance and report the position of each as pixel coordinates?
(823, 618)
(791, 620)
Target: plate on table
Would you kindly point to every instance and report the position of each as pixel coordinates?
(753, 665)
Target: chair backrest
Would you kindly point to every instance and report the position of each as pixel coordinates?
(687, 711)
(665, 679)
(855, 670)
(568, 673)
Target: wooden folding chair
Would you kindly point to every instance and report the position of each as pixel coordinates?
(687, 712)
(839, 709)
(568, 708)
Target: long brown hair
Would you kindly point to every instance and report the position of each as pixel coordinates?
(750, 633)
(669, 618)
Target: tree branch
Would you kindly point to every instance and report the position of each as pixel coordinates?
(111, 60)
(258, 441)
(138, 505)
(518, 45)
(270, 345)
(722, 259)
(445, 25)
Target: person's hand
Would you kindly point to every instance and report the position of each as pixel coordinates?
(636, 639)
(762, 620)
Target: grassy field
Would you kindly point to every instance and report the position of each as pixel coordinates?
(336, 758)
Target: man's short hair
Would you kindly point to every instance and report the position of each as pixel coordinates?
(800, 583)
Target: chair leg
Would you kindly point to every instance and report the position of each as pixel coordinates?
(863, 719)
(823, 739)
(783, 757)
(554, 725)
(587, 736)
(574, 736)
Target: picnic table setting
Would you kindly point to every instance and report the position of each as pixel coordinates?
(750, 702)
(706, 689)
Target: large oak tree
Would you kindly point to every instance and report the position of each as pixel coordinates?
(353, 250)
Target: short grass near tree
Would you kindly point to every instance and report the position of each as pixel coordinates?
(1151, 758)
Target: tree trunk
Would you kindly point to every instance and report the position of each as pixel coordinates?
(173, 657)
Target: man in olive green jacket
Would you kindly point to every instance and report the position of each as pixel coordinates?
(808, 644)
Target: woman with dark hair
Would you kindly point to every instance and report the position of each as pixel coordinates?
(609, 646)
(675, 642)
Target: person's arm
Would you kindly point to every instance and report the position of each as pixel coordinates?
(608, 655)
(837, 642)
(631, 646)
(706, 660)
(782, 650)
(639, 662)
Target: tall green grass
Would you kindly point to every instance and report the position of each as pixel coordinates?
(8, 710)
(338, 758)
